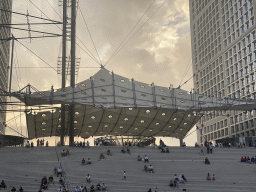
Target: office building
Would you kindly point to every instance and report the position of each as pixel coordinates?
(223, 41)
(5, 18)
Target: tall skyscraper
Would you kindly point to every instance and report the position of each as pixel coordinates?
(223, 40)
(5, 18)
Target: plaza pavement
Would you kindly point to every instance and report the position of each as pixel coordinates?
(26, 166)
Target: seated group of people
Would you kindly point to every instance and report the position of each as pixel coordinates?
(88, 161)
(80, 144)
(149, 169)
(28, 144)
(181, 178)
(164, 150)
(81, 189)
(209, 178)
(64, 152)
(174, 184)
(248, 160)
(127, 150)
(98, 187)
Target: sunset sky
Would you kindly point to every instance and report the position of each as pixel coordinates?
(158, 49)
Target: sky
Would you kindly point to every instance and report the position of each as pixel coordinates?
(148, 40)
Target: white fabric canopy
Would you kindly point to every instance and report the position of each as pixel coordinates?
(109, 104)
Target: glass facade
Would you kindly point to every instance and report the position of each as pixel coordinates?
(223, 39)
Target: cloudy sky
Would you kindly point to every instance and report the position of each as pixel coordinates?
(155, 35)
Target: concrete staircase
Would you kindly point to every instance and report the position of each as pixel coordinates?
(25, 167)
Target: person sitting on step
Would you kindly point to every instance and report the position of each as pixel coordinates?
(98, 187)
(139, 158)
(50, 180)
(92, 188)
(2, 185)
(183, 177)
(89, 161)
(88, 178)
(83, 162)
(150, 169)
(109, 153)
(162, 150)
(202, 152)
(175, 184)
(206, 161)
(167, 150)
(123, 151)
(213, 177)
(146, 159)
(101, 156)
(171, 184)
(104, 187)
(44, 180)
(128, 151)
(208, 178)
(146, 168)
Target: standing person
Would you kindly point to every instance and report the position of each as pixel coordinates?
(154, 141)
(208, 148)
(13, 189)
(124, 176)
(37, 142)
(88, 144)
(20, 189)
(211, 147)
